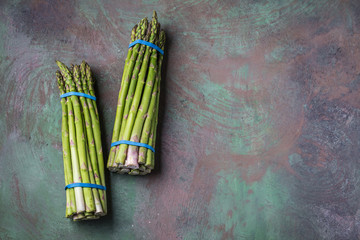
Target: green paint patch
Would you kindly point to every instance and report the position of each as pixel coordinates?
(255, 20)
(288, 51)
(243, 124)
(150, 2)
(85, 9)
(241, 75)
(295, 159)
(124, 202)
(275, 56)
(242, 211)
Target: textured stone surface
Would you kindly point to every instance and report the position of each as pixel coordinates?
(260, 119)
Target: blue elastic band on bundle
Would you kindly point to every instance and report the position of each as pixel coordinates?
(78, 94)
(133, 144)
(143, 42)
(89, 185)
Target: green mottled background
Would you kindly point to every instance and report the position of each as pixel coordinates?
(260, 119)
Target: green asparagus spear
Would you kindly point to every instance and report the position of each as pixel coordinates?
(98, 206)
(123, 170)
(96, 131)
(70, 195)
(79, 217)
(142, 169)
(152, 113)
(79, 196)
(150, 154)
(147, 126)
(134, 172)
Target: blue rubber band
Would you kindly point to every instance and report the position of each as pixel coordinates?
(89, 185)
(143, 42)
(78, 94)
(133, 144)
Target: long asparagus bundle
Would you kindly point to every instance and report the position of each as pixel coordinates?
(81, 140)
(138, 102)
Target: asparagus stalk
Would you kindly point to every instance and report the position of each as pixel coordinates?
(98, 205)
(122, 152)
(70, 195)
(154, 112)
(123, 170)
(78, 217)
(95, 123)
(133, 37)
(92, 217)
(150, 154)
(142, 169)
(79, 197)
(150, 158)
(134, 172)
(80, 138)
(124, 89)
(88, 85)
(147, 125)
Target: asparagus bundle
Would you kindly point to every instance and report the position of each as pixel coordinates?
(81, 140)
(137, 109)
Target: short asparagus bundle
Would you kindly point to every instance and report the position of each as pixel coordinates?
(138, 102)
(81, 140)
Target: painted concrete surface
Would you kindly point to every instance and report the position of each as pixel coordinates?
(260, 119)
